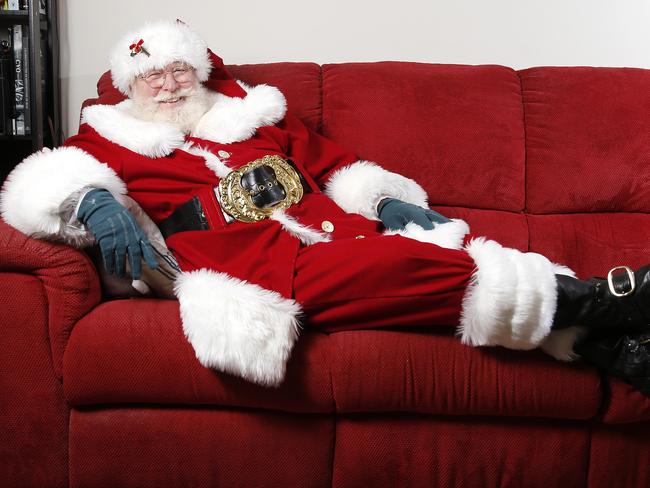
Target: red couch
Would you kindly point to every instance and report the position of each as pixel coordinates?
(108, 393)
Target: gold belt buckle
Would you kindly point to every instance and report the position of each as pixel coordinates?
(236, 200)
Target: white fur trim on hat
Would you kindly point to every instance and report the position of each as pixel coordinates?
(37, 190)
(511, 299)
(237, 327)
(166, 42)
(449, 235)
(358, 188)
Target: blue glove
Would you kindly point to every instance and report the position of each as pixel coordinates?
(117, 233)
(395, 214)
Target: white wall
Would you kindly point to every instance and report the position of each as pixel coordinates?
(516, 33)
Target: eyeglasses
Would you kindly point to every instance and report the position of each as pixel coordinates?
(156, 79)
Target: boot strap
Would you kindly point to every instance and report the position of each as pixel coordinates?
(622, 284)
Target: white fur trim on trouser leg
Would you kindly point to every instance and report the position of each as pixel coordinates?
(449, 235)
(237, 327)
(563, 270)
(37, 190)
(358, 188)
(511, 299)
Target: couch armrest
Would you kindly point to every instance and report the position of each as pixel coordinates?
(70, 282)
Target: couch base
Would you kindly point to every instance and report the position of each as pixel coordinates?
(218, 447)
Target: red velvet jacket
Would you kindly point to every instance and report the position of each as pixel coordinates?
(261, 252)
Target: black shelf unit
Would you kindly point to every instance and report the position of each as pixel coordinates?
(45, 102)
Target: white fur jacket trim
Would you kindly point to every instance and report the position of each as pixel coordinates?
(115, 123)
(358, 188)
(231, 119)
(38, 196)
(237, 327)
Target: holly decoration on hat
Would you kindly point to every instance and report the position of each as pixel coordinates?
(137, 48)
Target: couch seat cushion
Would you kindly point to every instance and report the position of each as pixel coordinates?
(134, 351)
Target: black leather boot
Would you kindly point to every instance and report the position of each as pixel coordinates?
(617, 303)
(625, 356)
(616, 312)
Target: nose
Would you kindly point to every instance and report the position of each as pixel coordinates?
(170, 83)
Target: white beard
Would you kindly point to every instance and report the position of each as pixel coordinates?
(197, 102)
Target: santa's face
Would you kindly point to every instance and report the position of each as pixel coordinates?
(173, 95)
(166, 86)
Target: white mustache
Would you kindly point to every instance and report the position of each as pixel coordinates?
(183, 92)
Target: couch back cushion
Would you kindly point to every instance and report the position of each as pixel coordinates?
(588, 165)
(587, 139)
(458, 130)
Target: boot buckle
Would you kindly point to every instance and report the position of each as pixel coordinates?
(610, 281)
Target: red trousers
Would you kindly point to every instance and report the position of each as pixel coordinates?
(380, 281)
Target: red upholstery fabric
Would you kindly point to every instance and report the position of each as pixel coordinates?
(619, 456)
(626, 405)
(144, 358)
(592, 243)
(552, 160)
(459, 130)
(34, 432)
(177, 447)
(420, 451)
(587, 139)
(68, 278)
(299, 82)
(393, 371)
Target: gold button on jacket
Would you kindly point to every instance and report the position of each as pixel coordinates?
(327, 226)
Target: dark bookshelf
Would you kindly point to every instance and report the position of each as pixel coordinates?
(42, 86)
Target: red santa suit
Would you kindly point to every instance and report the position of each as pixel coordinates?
(325, 262)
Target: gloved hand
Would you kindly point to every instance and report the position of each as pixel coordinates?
(395, 214)
(117, 233)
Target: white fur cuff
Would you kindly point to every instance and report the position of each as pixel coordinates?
(358, 187)
(36, 191)
(237, 327)
(511, 299)
(449, 235)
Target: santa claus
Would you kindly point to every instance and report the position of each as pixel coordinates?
(273, 225)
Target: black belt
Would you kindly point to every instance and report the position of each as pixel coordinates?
(188, 216)
(264, 189)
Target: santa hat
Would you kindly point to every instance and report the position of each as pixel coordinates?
(156, 45)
